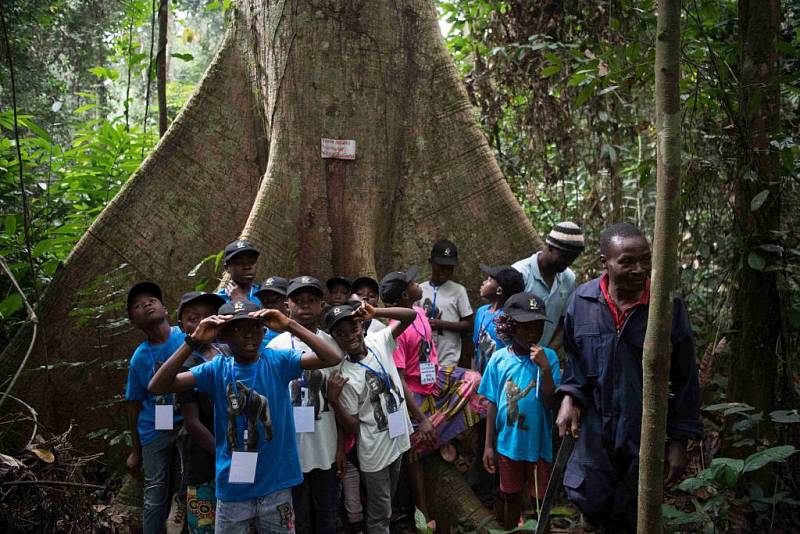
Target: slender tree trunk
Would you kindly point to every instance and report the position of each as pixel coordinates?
(757, 306)
(657, 346)
(161, 66)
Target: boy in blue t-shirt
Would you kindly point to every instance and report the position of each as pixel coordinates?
(502, 282)
(256, 453)
(520, 383)
(239, 259)
(152, 435)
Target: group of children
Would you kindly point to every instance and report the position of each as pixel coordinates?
(286, 401)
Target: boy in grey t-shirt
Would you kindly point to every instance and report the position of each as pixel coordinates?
(446, 304)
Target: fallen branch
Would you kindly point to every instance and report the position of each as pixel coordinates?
(52, 483)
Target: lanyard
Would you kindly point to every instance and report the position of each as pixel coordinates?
(384, 376)
(433, 304)
(485, 323)
(158, 399)
(421, 334)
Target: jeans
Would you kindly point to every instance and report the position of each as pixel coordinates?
(272, 513)
(381, 486)
(156, 460)
(315, 502)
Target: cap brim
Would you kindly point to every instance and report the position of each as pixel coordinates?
(411, 273)
(337, 280)
(281, 292)
(295, 289)
(366, 281)
(527, 317)
(444, 261)
(212, 298)
(145, 287)
(231, 255)
(339, 319)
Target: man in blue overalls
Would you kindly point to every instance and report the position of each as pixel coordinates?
(604, 333)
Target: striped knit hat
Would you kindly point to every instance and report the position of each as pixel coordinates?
(566, 236)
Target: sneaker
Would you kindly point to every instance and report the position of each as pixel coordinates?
(177, 516)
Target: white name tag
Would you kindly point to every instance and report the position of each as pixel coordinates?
(164, 417)
(243, 467)
(427, 373)
(303, 419)
(397, 424)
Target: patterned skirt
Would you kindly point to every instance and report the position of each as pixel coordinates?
(453, 407)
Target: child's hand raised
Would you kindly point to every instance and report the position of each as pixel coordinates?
(539, 357)
(336, 383)
(275, 320)
(365, 312)
(207, 330)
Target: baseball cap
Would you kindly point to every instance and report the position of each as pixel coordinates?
(444, 252)
(240, 309)
(393, 284)
(362, 281)
(237, 247)
(274, 284)
(507, 277)
(334, 280)
(200, 296)
(144, 287)
(303, 282)
(566, 236)
(525, 307)
(336, 314)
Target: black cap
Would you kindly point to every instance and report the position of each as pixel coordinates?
(507, 277)
(200, 296)
(237, 247)
(240, 309)
(362, 281)
(274, 284)
(336, 314)
(144, 287)
(525, 307)
(393, 284)
(444, 252)
(336, 280)
(303, 282)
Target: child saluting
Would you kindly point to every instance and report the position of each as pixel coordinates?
(520, 382)
(256, 454)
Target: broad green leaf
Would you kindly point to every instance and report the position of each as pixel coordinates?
(11, 224)
(10, 305)
(759, 200)
(85, 107)
(549, 71)
(785, 416)
(584, 95)
(755, 261)
(773, 454)
(183, 57)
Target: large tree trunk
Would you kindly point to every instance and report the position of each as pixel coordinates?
(756, 345)
(161, 66)
(243, 158)
(657, 345)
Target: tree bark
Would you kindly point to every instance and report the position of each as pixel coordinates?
(243, 159)
(757, 309)
(657, 345)
(161, 66)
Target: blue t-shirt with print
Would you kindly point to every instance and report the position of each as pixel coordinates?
(278, 466)
(484, 336)
(524, 426)
(144, 362)
(251, 297)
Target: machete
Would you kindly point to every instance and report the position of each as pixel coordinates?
(557, 475)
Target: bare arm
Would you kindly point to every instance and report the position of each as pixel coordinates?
(168, 378)
(425, 426)
(348, 422)
(547, 388)
(323, 355)
(196, 429)
(135, 458)
(489, 453)
(463, 325)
